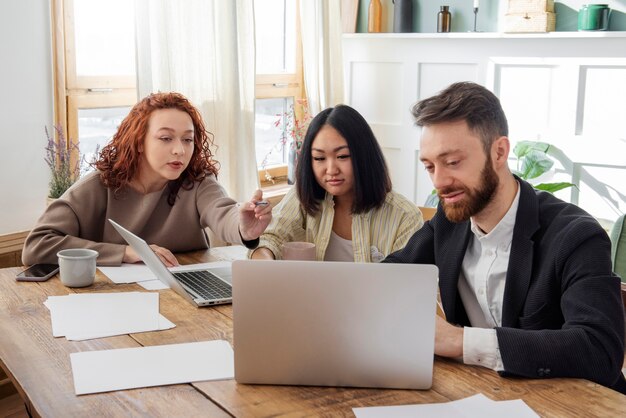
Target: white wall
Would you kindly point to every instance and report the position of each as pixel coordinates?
(26, 107)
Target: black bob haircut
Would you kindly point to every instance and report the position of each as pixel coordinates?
(371, 176)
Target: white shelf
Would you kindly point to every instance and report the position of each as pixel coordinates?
(488, 35)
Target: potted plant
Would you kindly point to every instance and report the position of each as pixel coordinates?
(293, 125)
(63, 171)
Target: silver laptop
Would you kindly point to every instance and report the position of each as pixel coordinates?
(334, 324)
(198, 285)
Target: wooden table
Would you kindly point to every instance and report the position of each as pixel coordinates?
(39, 366)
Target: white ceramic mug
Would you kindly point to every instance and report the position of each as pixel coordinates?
(298, 250)
(77, 267)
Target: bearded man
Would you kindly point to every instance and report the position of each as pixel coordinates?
(525, 279)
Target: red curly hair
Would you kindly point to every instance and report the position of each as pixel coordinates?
(118, 161)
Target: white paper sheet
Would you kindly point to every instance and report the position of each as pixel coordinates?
(164, 324)
(95, 315)
(478, 406)
(128, 273)
(105, 313)
(230, 252)
(127, 368)
(155, 284)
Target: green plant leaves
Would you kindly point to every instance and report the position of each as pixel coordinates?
(553, 187)
(524, 147)
(535, 161)
(534, 164)
(534, 158)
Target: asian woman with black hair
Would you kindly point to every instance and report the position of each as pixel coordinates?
(343, 200)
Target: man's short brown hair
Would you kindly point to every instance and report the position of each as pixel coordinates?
(467, 101)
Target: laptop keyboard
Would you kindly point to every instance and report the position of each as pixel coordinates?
(205, 284)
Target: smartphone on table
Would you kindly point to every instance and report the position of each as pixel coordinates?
(37, 273)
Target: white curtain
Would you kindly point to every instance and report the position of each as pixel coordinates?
(204, 49)
(321, 52)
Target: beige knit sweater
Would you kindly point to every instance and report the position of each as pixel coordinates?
(78, 219)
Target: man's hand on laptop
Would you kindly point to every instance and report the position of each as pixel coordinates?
(166, 256)
(254, 216)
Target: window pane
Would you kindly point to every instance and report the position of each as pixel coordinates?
(520, 86)
(601, 192)
(96, 128)
(270, 149)
(603, 115)
(104, 37)
(275, 28)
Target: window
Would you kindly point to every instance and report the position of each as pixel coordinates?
(575, 107)
(270, 152)
(279, 82)
(94, 69)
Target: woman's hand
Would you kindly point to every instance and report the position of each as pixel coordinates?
(254, 217)
(262, 254)
(166, 256)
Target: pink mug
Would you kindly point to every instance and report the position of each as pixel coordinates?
(298, 250)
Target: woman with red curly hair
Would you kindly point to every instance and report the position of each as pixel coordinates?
(157, 178)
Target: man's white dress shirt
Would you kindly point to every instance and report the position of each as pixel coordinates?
(481, 287)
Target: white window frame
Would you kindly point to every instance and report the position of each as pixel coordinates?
(279, 86)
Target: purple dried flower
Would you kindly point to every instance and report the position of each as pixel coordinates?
(58, 158)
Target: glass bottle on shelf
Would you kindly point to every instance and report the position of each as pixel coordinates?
(444, 18)
(374, 16)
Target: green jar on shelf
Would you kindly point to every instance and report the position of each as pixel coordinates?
(594, 17)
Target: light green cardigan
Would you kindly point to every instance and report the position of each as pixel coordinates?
(376, 233)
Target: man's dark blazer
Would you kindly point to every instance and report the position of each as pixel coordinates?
(562, 313)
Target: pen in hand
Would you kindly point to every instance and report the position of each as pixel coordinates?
(257, 203)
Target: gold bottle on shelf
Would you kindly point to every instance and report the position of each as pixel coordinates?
(374, 18)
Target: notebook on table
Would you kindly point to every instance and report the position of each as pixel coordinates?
(200, 286)
(334, 323)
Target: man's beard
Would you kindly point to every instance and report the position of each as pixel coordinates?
(475, 200)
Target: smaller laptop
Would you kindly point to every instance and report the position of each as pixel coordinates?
(334, 323)
(198, 285)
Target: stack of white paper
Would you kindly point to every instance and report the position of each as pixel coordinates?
(474, 406)
(96, 315)
(127, 368)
